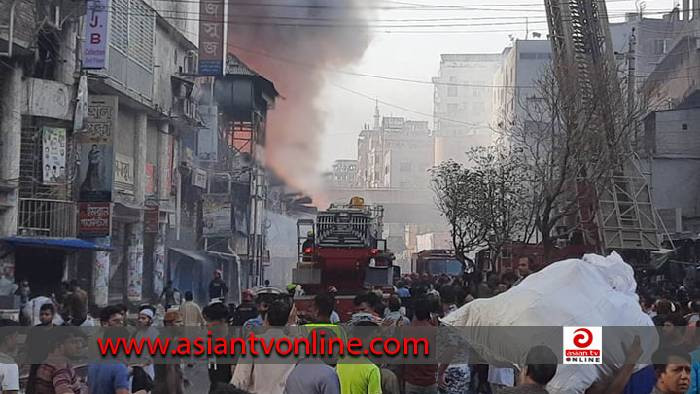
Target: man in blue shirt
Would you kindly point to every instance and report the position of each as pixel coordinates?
(110, 377)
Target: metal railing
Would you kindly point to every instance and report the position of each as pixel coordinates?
(47, 218)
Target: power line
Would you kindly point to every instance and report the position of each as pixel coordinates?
(356, 74)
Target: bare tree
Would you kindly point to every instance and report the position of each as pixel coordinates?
(458, 195)
(504, 200)
(571, 144)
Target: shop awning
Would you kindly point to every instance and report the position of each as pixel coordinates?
(55, 243)
(193, 254)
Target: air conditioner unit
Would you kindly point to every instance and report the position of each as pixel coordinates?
(190, 63)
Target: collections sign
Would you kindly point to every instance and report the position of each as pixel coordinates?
(216, 215)
(96, 28)
(54, 155)
(211, 37)
(94, 146)
(94, 219)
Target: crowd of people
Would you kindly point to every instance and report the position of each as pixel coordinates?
(418, 301)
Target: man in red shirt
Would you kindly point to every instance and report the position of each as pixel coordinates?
(421, 379)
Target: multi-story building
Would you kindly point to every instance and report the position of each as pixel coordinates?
(462, 103)
(396, 155)
(114, 169)
(344, 173)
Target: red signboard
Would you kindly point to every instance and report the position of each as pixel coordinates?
(150, 179)
(211, 37)
(150, 219)
(94, 219)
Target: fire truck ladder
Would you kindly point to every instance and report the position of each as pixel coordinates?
(581, 44)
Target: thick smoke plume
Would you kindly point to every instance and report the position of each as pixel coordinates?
(274, 41)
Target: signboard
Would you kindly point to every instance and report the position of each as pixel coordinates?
(199, 178)
(208, 136)
(54, 155)
(94, 146)
(150, 179)
(211, 37)
(94, 219)
(81, 104)
(48, 99)
(124, 169)
(96, 28)
(216, 215)
(150, 220)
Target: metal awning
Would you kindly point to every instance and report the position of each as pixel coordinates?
(55, 243)
(193, 254)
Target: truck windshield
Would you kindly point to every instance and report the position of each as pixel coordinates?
(444, 266)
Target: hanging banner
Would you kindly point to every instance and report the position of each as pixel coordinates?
(134, 258)
(216, 215)
(96, 28)
(150, 220)
(54, 155)
(94, 219)
(211, 37)
(208, 136)
(150, 179)
(95, 149)
(199, 178)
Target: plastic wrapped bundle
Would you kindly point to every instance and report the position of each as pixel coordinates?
(593, 291)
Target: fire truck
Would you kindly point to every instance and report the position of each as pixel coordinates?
(342, 249)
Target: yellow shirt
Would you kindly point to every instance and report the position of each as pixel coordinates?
(359, 378)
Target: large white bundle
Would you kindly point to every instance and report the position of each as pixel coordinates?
(594, 291)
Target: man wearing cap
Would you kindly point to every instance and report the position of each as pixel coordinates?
(145, 329)
(217, 287)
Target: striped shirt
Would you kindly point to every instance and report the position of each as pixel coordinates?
(57, 376)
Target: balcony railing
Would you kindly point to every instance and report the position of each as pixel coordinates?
(47, 218)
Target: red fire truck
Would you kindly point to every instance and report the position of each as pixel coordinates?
(343, 249)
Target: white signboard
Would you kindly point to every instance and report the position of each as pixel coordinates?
(123, 169)
(96, 27)
(199, 178)
(54, 155)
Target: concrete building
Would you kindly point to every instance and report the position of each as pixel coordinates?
(462, 104)
(398, 154)
(671, 156)
(113, 169)
(344, 173)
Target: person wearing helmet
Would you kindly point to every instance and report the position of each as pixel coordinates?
(247, 309)
(217, 287)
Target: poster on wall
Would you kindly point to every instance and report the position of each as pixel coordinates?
(135, 264)
(54, 155)
(94, 146)
(216, 215)
(94, 219)
(150, 179)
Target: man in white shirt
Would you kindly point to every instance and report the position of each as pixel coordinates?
(260, 378)
(9, 372)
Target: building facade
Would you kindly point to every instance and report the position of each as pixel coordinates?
(462, 104)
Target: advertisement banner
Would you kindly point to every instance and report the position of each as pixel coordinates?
(94, 219)
(94, 146)
(199, 178)
(150, 220)
(211, 37)
(54, 155)
(208, 136)
(216, 215)
(96, 28)
(123, 169)
(150, 179)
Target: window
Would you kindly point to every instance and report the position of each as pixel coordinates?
(405, 166)
(684, 126)
(452, 91)
(476, 92)
(452, 108)
(660, 47)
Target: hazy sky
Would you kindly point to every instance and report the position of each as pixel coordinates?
(414, 53)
